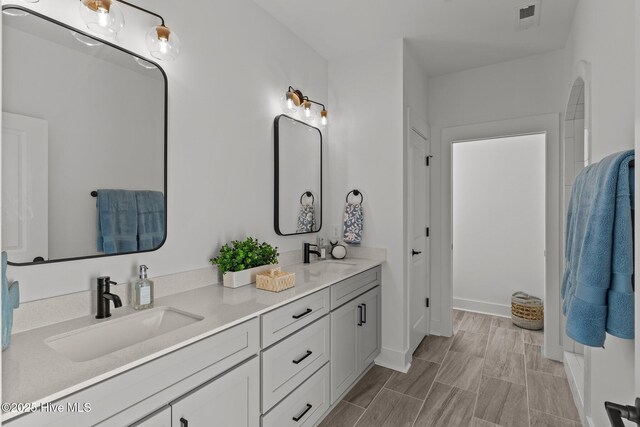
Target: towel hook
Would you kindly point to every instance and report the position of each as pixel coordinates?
(308, 194)
(356, 193)
(94, 194)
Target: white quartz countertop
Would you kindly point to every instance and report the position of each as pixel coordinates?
(32, 372)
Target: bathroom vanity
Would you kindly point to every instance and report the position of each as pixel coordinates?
(237, 357)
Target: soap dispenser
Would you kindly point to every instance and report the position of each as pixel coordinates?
(142, 291)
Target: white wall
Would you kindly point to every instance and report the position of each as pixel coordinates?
(498, 221)
(520, 88)
(84, 155)
(366, 93)
(369, 94)
(603, 34)
(224, 91)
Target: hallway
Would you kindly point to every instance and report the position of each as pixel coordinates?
(490, 373)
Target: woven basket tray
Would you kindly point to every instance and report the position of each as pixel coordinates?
(275, 280)
(527, 311)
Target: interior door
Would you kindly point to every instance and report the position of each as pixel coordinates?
(25, 189)
(419, 242)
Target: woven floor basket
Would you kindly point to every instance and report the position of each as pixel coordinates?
(527, 311)
(275, 280)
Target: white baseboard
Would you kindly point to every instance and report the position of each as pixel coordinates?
(435, 327)
(482, 307)
(575, 377)
(394, 359)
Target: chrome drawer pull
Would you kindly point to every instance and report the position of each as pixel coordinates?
(297, 316)
(309, 353)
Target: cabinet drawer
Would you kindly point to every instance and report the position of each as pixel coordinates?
(289, 363)
(142, 390)
(350, 288)
(284, 321)
(305, 405)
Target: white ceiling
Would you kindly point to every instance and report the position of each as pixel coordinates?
(446, 35)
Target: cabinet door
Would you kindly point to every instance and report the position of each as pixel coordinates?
(229, 401)
(369, 332)
(161, 418)
(344, 340)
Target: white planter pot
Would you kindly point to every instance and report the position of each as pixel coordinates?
(235, 279)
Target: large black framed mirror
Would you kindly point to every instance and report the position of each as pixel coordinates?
(84, 153)
(298, 177)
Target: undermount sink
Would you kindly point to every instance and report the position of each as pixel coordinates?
(330, 267)
(95, 341)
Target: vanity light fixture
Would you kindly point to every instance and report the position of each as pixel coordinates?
(294, 98)
(104, 17)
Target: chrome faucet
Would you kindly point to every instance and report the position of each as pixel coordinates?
(306, 251)
(104, 296)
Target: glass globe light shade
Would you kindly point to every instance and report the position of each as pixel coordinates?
(289, 104)
(103, 17)
(163, 43)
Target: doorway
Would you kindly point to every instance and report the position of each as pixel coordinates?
(549, 125)
(498, 221)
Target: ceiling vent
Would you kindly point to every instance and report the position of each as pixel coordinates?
(528, 15)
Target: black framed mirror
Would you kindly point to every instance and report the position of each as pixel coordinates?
(298, 177)
(84, 144)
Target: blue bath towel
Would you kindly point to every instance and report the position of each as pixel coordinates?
(597, 285)
(10, 301)
(151, 218)
(117, 221)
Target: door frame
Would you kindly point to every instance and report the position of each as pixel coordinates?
(418, 125)
(550, 125)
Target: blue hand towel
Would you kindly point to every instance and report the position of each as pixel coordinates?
(353, 223)
(10, 301)
(151, 219)
(597, 283)
(117, 221)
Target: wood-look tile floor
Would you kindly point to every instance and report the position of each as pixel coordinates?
(490, 373)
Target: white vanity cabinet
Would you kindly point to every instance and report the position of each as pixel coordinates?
(161, 418)
(232, 400)
(355, 340)
(283, 367)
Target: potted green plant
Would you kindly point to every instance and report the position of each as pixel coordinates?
(240, 261)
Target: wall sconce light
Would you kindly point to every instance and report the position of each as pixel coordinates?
(104, 17)
(293, 99)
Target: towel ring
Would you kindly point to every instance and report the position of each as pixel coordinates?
(308, 194)
(355, 193)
